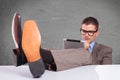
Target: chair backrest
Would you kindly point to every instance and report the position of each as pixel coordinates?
(72, 43)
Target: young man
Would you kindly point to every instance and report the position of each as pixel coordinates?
(101, 54)
(40, 59)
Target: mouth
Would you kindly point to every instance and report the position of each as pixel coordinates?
(87, 39)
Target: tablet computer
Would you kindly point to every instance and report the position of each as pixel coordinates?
(72, 43)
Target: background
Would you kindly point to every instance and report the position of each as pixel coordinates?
(59, 19)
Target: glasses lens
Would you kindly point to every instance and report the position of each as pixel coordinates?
(82, 32)
(90, 33)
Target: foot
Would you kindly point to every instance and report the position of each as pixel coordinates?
(19, 57)
(31, 41)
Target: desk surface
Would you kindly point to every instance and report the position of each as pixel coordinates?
(91, 72)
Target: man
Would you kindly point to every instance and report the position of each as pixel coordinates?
(40, 59)
(101, 54)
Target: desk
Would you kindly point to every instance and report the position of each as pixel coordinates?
(91, 72)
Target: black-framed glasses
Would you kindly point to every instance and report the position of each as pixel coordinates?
(90, 33)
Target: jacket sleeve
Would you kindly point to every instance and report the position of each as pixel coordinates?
(107, 57)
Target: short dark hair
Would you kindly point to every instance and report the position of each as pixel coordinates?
(91, 20)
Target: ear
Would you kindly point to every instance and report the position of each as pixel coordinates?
(97, 33)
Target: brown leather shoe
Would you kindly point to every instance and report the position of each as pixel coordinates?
(19, 57)
(31, 41)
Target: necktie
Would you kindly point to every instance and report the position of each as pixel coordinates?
(89, 49)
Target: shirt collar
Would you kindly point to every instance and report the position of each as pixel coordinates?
(91, 46)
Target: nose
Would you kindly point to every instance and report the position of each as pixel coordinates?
(86, 34)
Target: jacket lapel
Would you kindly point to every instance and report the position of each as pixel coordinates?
(94, 53)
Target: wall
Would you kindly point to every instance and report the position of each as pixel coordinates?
(58, 19)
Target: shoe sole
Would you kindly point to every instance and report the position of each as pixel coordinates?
(31, 41)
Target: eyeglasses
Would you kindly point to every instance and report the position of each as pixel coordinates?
(90, 33)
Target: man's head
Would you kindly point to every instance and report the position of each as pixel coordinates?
(89, 29)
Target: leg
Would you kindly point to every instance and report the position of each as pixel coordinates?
(31, 42)
(70, 58)
(48, 59)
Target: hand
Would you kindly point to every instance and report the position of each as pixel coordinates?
(86, 44)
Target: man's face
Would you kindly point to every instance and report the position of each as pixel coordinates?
(89, 32)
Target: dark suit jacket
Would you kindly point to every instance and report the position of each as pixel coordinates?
(101, 54)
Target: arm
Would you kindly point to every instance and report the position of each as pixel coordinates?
(107, 58)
